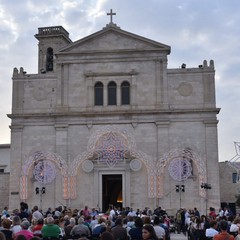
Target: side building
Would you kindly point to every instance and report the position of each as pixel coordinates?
(4, 175)
(229, 185)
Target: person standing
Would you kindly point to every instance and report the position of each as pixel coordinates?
(212, 231)
(5, 212)
(36, 213)
(136, 231)
(118, 231)
(223, 225)
(160, 232)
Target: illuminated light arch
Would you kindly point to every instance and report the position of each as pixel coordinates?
(111, 144)
(185, 153)
(36, 158)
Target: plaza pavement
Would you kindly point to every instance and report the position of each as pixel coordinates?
(175, 236)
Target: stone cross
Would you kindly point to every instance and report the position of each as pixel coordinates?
(111, 14)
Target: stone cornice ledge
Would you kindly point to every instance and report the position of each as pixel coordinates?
(210, 122)
(117, 112)
(103, 74)
(162, 124)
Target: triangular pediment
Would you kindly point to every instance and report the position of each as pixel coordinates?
(114, 39)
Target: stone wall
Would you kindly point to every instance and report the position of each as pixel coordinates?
(4, 189)
(228, 189)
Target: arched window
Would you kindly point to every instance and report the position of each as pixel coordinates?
(49, 62)
(112, 93)
(125, 93)
(98, 94)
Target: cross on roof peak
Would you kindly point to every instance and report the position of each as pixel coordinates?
(111, 15)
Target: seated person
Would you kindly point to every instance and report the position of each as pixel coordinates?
(50, 230)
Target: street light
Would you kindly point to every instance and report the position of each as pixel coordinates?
(206, 186)
(37, 190)
(40, 192)
(43, 190)
(180, 189)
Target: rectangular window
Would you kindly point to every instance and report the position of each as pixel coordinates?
(98, 97)
(235, 177)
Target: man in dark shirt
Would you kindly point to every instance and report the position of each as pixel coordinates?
(23, 213)
(118, 231)
(136, 232)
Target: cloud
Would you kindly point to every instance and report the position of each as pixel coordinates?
(195, 30)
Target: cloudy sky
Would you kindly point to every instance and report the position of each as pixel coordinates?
(195, 30)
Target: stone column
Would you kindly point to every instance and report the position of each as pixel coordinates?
(96, 195)
(209, 88)
(164, 84)
(119, 98)
(90, 92)
(16, 162)
(126, 189)
(133, 92)
(18, 91)
(162, 136)
(212, 165)
(162, 148)
(159, 83)
(62, 87)
(62, 147)
(105, 95)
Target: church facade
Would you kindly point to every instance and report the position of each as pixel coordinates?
(105, 122)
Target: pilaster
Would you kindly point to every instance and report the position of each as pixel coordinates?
(212, 164)
(16, 162)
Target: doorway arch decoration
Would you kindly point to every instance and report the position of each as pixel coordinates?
(184, 154)
(36, 158)
(120, 143)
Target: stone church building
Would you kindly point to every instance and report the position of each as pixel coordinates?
(106, 122)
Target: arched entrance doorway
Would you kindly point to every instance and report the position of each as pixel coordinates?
(111, 191)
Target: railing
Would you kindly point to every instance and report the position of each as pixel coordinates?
(52, 30)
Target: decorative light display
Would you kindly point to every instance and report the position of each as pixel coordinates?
(111, 149)
(180, 169)
(235, 161)
(44, 172)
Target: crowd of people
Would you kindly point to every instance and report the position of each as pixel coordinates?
(221, 225)
(116, 224)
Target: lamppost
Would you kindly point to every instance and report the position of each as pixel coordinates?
(206, 186)
(180, 189)
(40, 192)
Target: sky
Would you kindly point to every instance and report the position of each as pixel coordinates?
(195, 30)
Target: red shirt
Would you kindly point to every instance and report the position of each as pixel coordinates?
(223, 236)
(37, 230)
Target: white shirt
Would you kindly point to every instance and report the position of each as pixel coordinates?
(234, 228)
(211, 232)
(111, 214)
(16, 228)
(37, 215)
(132, 214)
(221, 213)
(160, 232)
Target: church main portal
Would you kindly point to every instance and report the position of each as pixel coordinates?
(111, 191)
